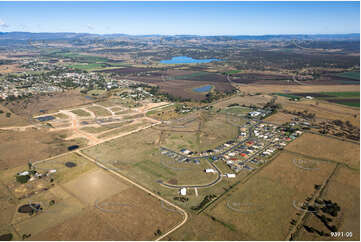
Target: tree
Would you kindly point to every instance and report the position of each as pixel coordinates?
(22, 179)
(8, 115)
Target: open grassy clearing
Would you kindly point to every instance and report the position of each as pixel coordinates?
(262, 207)
(180, 140)
(236, 110)
(280, 118)
(117, 109)
(215, 131)
(99, 111)
(111, 102)
(81, 112)
(327, 148)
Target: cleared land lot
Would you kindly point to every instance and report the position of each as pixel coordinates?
(262, 207)
(99, 111)
(344, 189)
(327, 148)
(80, 112)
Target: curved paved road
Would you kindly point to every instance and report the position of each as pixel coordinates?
(219, 173)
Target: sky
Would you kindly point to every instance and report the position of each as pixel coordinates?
(171, 18)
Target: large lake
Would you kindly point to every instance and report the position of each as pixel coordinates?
(206, 88)
(186, 60)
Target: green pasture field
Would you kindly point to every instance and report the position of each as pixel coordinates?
(352, 75)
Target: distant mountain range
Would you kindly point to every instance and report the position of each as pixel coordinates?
(65, 35)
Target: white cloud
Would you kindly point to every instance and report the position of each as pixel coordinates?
(3, 24)
(91, 27)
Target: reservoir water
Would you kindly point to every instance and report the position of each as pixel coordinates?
(186, 60)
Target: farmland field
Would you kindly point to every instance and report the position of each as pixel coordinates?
(345, 98)
(262, 207)
(351, 75)
(327, 148)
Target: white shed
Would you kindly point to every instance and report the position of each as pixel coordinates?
(183, 191)
(231, 175)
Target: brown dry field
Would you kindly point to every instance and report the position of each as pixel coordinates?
(267, 199)
(247, 100)
(138, 221)
(50, 104)
(280, 118)
(14, 119)
(254, 88)
(17, 148)
(344, 189)
(322, 147)
(323, 110)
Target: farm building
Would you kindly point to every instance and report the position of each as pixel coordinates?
(230, 175)
(210, 170)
